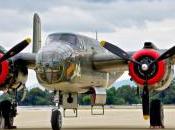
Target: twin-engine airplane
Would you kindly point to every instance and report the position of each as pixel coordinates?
(70, 64)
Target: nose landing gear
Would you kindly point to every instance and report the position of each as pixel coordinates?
(56, 117)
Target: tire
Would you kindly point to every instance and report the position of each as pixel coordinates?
(2, 122)
(56, 119)
(156, 114)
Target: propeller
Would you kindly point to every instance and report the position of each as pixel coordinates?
(15, 50)
(117, 51)
(144, 66)
(170, 52)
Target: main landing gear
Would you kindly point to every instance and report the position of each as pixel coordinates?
(153, 110)
(56, 117)
(156, 114)
(8, 110)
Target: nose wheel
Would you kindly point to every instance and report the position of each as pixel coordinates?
(56, 119)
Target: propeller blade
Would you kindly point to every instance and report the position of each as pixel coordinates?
(145, 99)
(170, 52)
(117, 51)
(16, 49)
(145, 102)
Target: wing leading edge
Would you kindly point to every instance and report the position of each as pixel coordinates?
(109, 63)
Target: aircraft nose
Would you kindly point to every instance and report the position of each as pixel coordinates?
(53, 56)
(50, 66)
(49, 58)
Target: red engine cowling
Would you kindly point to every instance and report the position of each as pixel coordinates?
(155, 72)
(4, 70)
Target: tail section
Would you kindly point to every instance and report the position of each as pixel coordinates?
(36, 33)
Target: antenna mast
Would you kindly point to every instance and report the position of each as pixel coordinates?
(96, 35)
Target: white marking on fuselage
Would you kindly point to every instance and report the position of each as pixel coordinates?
(77, 72)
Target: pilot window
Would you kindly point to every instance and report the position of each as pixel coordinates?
(70, 38)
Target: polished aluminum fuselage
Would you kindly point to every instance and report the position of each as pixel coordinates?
(68, 66)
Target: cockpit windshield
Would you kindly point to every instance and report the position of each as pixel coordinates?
(70, 38)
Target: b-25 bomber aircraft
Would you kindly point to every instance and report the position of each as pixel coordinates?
(70, 64)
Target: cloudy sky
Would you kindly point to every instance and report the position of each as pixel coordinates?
(127, 23)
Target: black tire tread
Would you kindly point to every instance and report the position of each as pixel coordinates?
(156, 113)
(54, 119)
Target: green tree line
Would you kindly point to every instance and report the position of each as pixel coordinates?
(124, 95)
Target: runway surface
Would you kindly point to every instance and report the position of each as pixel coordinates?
(118, 119)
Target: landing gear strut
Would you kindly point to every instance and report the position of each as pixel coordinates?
(56, 117)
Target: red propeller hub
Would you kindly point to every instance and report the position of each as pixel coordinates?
(152, 73)
(4, 70)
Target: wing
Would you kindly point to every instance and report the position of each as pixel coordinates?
(110, 63)
(27, 58)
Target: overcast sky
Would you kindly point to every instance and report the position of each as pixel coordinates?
(127, 23)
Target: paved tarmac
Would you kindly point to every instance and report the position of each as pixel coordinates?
(118, 119)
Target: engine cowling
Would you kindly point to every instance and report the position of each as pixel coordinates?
(4, 70)
(154, 74)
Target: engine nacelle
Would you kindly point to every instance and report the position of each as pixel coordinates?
(19, 80)
(166, 80)
(20, 73)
